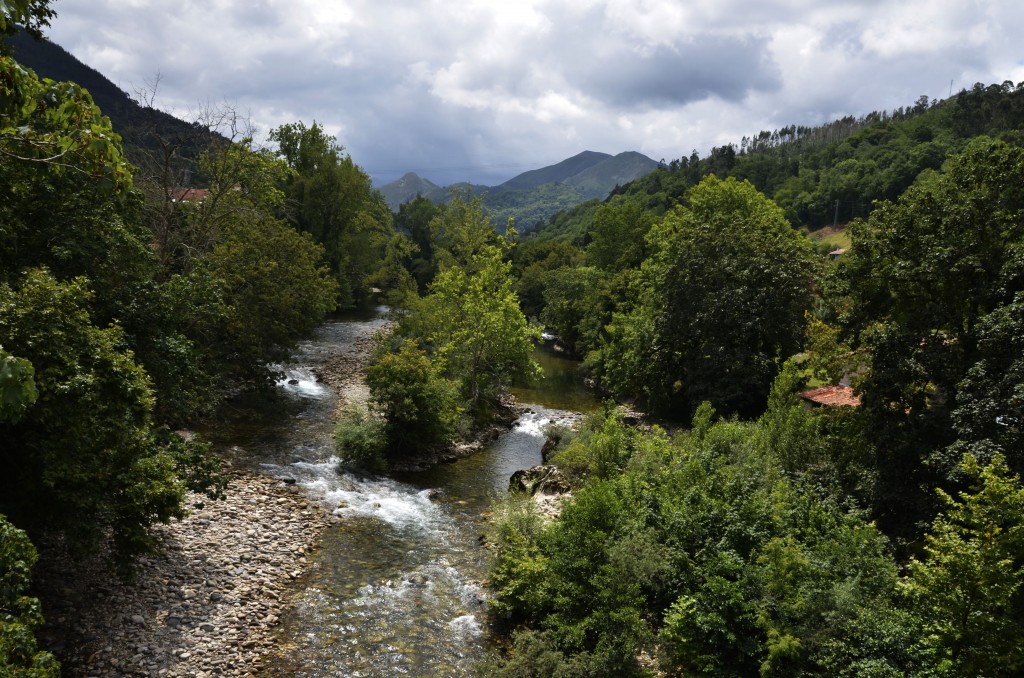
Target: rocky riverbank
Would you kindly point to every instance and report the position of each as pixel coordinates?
(345, 372)
(206, 605)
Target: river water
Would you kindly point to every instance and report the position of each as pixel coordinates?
(396, 587)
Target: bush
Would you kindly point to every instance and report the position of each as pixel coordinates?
(19, 614)
(360, 440)
(419, 406)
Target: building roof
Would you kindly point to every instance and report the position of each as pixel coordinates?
(839, 251)
(832, 396)
(189, 194)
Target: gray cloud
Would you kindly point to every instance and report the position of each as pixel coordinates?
(724, 67)
(481, 91)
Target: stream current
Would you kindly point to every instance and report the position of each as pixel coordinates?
(396, 587)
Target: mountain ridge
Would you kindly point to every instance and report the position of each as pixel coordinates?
(534, 195)
(141, 127)
(528, 198)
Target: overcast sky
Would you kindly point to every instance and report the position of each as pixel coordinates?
(484, 90)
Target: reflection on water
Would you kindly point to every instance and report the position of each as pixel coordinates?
(562, 386)
(395, 588)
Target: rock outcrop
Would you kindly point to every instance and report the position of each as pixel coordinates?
(542, 479)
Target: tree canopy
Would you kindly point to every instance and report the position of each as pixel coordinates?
(719, 301)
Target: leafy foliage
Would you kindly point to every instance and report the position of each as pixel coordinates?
(418, 404)
(700, 550)
(17, 387)
(333, 201)
(19, 613)
(470, 320)
(930, 294)
(759, 548)
(121, 318)
(57, 124)
(720, 300)
(457, 349)
(100, 467)
(968, 586)
(361, 440)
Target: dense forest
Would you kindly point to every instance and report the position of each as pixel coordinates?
(737, 531)
(742, 532)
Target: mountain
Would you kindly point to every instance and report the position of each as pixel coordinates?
(141, 127)
(558, 173)
(50, 60)
(407, 188)
(598, 180)
(534, 196)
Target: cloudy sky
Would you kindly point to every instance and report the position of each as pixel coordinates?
(483, 90)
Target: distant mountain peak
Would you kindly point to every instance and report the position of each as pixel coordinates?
(537, 194)
(406, 188)
(557, 173)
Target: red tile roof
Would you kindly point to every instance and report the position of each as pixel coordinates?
(189, 194)
(832, 396)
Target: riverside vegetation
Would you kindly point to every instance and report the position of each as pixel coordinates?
(758, 537)
(768, 538)
(129, 307)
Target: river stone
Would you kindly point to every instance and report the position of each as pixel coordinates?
(542, 479)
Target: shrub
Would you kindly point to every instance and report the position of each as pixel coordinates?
(360, 440)
(419, 406)
(19, 614)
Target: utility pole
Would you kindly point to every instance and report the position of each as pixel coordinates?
(835, 219)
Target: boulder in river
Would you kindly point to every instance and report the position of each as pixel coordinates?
(544, 479)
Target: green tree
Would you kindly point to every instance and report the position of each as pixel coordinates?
(481, 338)
(967, 587)
(463, 233)
(930, 287)
(532, 261)
(721, 302)
(989, 414)
(56, 124)
(83, 459)
(240, 286)
(470, 322)
(17, 386)
(33, 15)
(619, 235)
(20, 616)
(570, 294)
(270, 279)
(332, 199)
(419, 405)
(413, 220)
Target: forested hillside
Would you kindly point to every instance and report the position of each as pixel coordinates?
(878, 536)
(835, 172)
(530, 198)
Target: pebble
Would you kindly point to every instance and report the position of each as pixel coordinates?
(209, 602)
(194, 609)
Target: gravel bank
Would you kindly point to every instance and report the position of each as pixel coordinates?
(208, 604)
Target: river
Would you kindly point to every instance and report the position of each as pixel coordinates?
(396, 587)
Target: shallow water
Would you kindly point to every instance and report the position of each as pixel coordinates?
(395, 588)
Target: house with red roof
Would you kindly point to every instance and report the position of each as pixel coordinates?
(831, 396)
